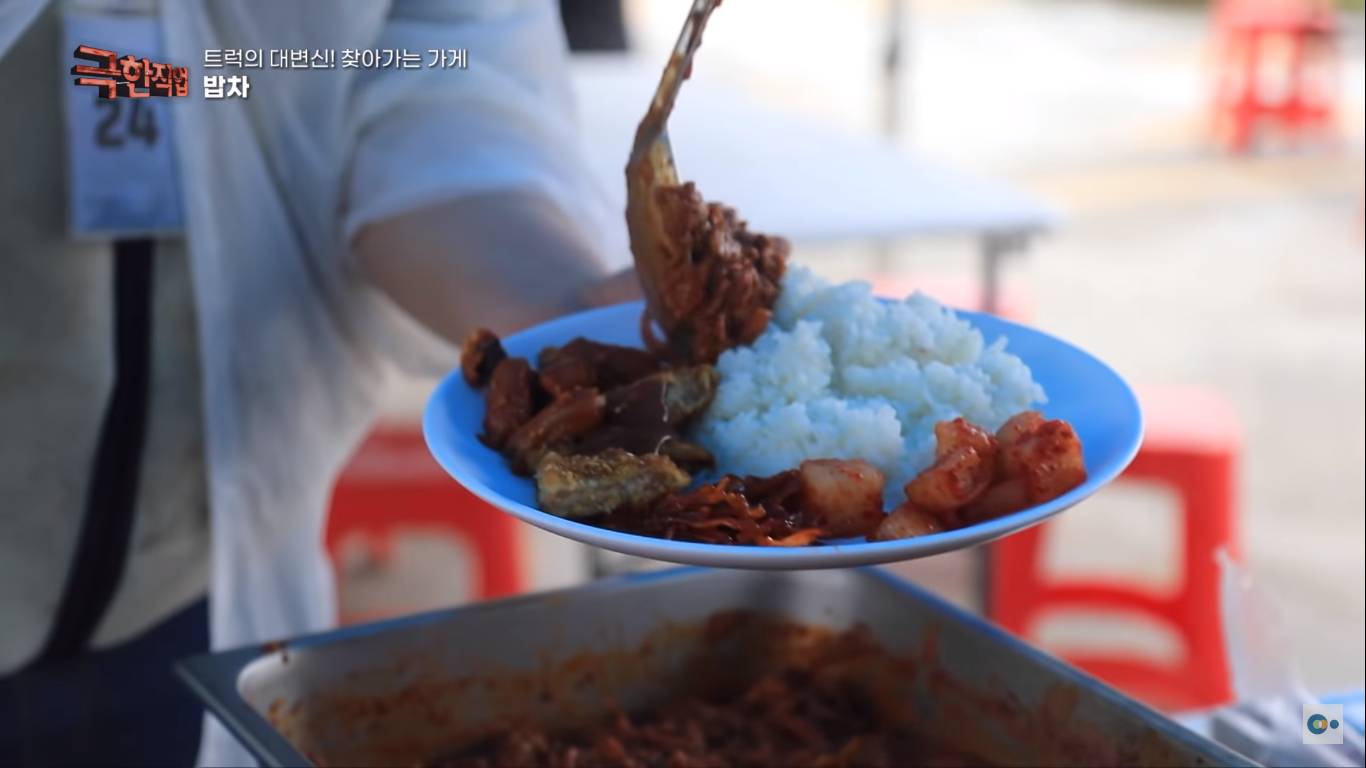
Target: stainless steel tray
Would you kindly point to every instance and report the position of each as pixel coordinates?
(405, 691)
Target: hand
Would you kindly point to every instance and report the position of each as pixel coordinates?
(501, 260)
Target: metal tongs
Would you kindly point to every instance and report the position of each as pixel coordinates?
(652, 137)
(651, 166)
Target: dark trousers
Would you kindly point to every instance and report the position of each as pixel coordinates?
(118, 706)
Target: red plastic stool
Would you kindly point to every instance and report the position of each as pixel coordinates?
(1191, 444)
(393, 483)
(1301, 94)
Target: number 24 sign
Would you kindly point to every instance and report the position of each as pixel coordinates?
(125, 121)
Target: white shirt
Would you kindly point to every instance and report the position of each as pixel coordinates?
(56, 371)
(297, 352)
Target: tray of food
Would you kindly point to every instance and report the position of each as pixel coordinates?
(684, 667)
(750, 414)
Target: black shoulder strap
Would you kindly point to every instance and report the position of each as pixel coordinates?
(111, 496)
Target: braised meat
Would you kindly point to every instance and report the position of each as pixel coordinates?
(558, 424)
(648, 415)
(670, 398)
(529, 413)
(510, 401)
(582, 364)
(479, 356)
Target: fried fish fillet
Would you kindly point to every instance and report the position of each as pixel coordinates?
(596, 484)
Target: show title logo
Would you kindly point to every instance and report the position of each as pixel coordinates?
(129, 77)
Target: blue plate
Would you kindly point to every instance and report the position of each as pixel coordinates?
(1081, 389)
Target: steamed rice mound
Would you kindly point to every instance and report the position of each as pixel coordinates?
(839, 374)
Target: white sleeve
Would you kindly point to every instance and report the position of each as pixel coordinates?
(506, 122)
(15, 18)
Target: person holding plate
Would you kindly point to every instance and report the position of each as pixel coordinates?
(177, 395)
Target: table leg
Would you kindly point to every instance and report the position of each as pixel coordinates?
(893, 108)
(893, 69)
(995, 247)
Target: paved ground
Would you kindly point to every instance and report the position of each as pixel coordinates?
(1175, 263)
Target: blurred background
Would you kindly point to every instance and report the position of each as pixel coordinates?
(1078, 165)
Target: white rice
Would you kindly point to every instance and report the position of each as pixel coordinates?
(839, 374)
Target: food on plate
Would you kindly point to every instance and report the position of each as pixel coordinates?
(584, 485)
(716, 286)
(644, 441)
(1029, 461)
(670, 398)
(965, 461)
(685, 454)
(582, 363)
(567, 418)
(960, 434)
(624, 457)
(510, 401)
(821, 499)
(841, 497)
(1039, 460)
(648, 415)
(709, 282)
(479, 356)
(1011, 434)
(842, 374)
(906, 522)
(732, 510)
(951, 483)
(588, 398)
